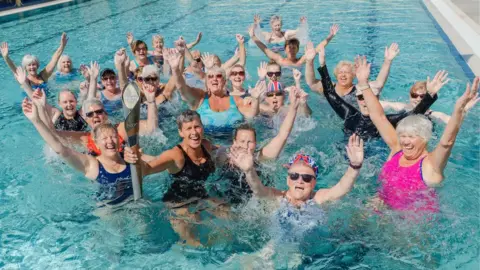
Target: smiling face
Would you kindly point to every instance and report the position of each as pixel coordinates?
(158, 43)
(274, 72)
(95, 115)
(245, 140)
(109, 80)
(299, 189)
(140, 50)
(65, 65)
(292, 47)
(32, 68)
(276, 25)
(345, 74)
(68, 103)
(192, 133)
(237, 76)
(417, 92)
(216, 83)
(413, 146)
(106, 140)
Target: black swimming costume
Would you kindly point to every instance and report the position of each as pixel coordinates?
(75, 124)
(354, 120)
(190, 181)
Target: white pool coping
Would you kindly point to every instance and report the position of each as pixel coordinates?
(32, 7)
(463, 32)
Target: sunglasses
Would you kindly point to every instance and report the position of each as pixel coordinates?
(106, 78)
(360, 97)
(218, 76)
(198, 60)
(414, 95)
(277, 94)
(97, 112)
(278, 74)
(235, 73)
(141, 49)
(307, 178)
(147, 79)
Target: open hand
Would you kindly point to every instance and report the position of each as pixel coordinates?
(4, 48)
(63, 40)
(469, 98)
(259, 89)
(438, 82)
(172, 56)
(94, 69)
(130, 38)
(120, 56)
(242, 158)
(262, 71)
(29, 110)
(208, 60)
(310, 51)
(39, 98)
(180, 45)
(256, 19)
(362, 69)
(391, 52)
(21, 76)
(355, 150)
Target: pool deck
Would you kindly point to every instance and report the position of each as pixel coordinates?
(460, 20)
(32, 7)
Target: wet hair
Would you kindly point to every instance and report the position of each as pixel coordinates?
(216, 70)
(417, 125)
(137, 43)
(59, 63)
(419, 86)
(155, 37)
(187, 117)
(89, 103)
(237, 66)
(66, 91)
(106, 72)
(273, 63)
(28, 59)
(275, 18)
(244, 126)
(150, 70)
(341, 64)
(293, 41)
(103, 127)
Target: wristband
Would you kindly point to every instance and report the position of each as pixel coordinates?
(360, 88)
(356, 167)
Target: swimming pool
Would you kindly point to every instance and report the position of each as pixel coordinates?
(46, 218)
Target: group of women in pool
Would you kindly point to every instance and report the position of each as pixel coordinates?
(216, 109)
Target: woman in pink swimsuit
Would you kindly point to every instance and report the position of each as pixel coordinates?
(410, 173)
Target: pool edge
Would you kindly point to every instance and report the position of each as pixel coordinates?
(458, 40)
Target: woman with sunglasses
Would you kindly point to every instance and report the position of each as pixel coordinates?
(302, 177)
(30, 64)
(237, 78)
(108, 169)
(292, 46)
(417, 93)
(276, 39)
(220, 112)
(410, 172)
(358, 120)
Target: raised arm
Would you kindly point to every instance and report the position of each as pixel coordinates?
(377, 114)
(289, 34)
(244, 161)
(151, 124)
(10, 64)
(193, 96)
(355, 155)
(197, 40)
(437, 159)
(333, 32)
(242, 53)
(269, 53)
(390, 53)
(92, 86)
(120, 60)
(396, 106)
(273, 149)
(78, 161)
(165, 161)
(48, 70)
(440, 116)
(130, 40)
(312, 82)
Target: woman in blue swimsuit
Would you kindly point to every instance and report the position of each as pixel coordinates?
(220, 113)
(31, 64)
(65, 70)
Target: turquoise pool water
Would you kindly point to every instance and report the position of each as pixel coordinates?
(46, 218)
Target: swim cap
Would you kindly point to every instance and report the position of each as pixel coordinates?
(274, 86)
(304, 158)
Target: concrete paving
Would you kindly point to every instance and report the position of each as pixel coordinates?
(462, 28)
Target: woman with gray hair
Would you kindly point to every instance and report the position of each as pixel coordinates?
(30, 64)
(410, 173)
